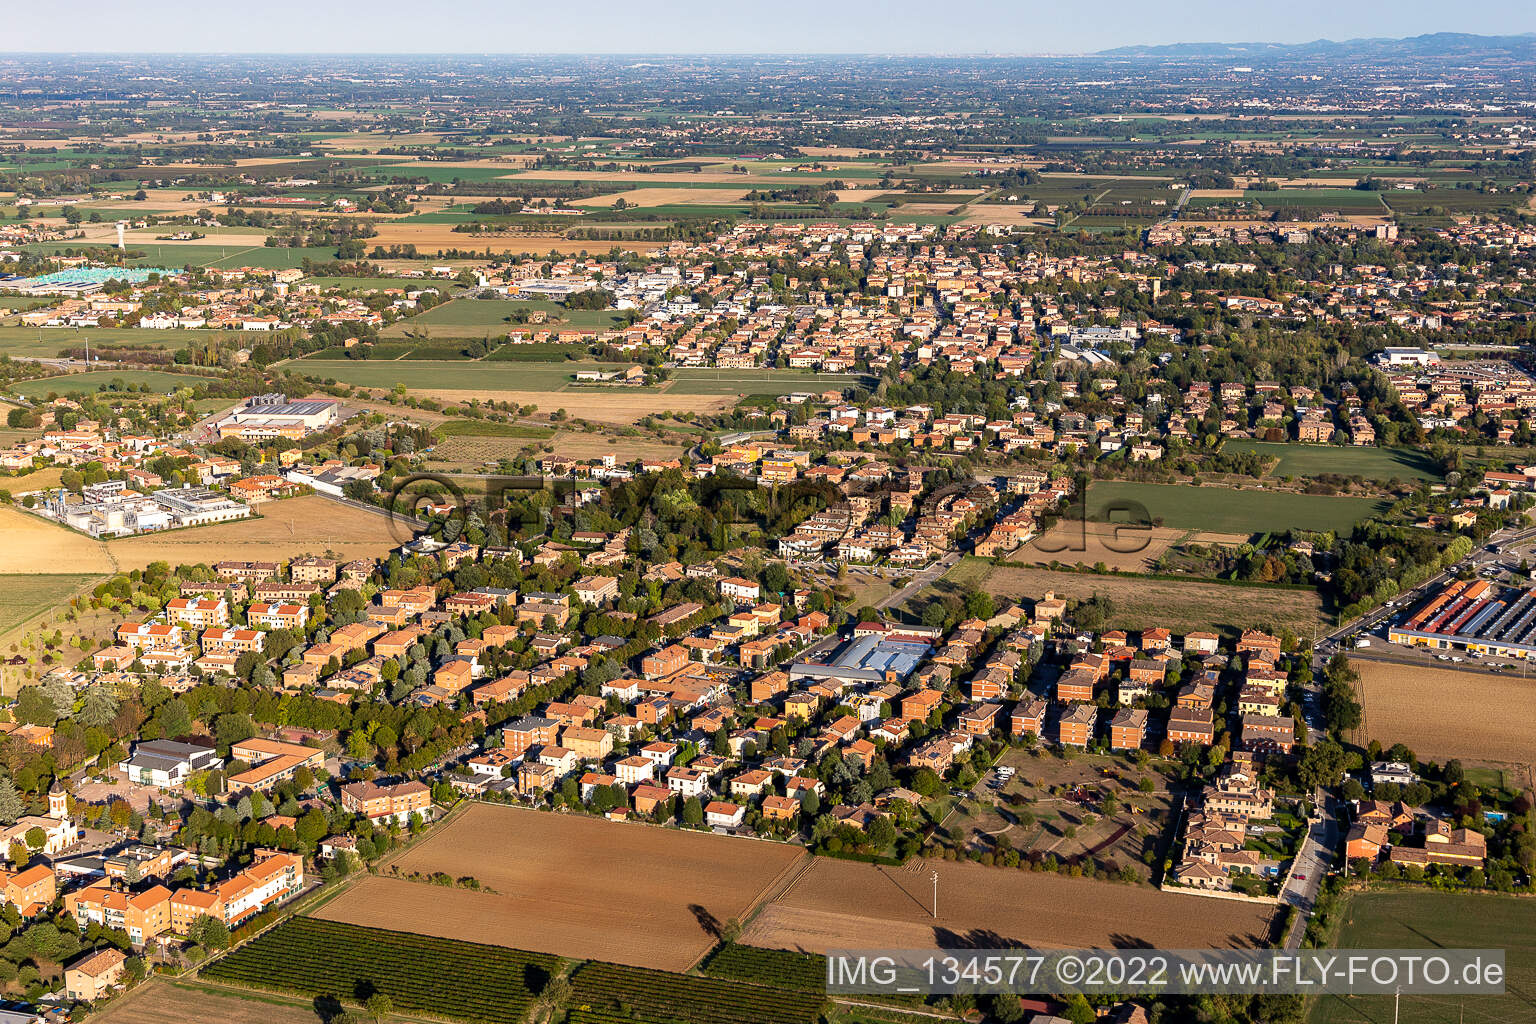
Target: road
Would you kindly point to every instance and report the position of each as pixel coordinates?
(1498, 548)
(919, 581)
(1312, 864)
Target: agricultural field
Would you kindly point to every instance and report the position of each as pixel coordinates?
(447, 978)
(37, 480)
(1227, 510)
(779, 967)
(839, 904)
(479, 318)
(164, 1002)
(492, 428)
(1315, 460)
(24, 596)
(608, 994)
(50, 342)
(1407, 704)
(98, 380)
(1125, 550)
(286, 528)
(1424, 919)
(548, 870)
(423, 376)
(1140, 603)
(35, 545)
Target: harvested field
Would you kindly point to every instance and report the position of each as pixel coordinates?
(549, 871)
(34, 545)
(162, 1002)
(847, 905)
(666, 196)
(1091, 543)
(1407, 704)
(612, 406)
(1140, 603)
(436, 237)
(287, 528)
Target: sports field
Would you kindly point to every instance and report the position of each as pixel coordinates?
(1424, 919)
(97, 380)
(1226, 510)
(574, 886)
(1317, 459)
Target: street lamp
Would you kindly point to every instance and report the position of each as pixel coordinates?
(935, 895)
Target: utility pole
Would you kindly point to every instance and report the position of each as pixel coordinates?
(1396, 1001)
(935, 895)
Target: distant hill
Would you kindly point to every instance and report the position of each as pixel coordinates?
(1437, 44)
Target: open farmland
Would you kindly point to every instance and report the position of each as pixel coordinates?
(1141, 603)
(24, 596)
(1073, 541)
(431, 376)
(95, 380)
(1429, 920)
(841, 904)
(1227, 510)
(549, 872)
(1407, 704)
(1315, 460)
(164, 1002)
(285, 529)
(35, 545)
(479, 318)
(459, 980)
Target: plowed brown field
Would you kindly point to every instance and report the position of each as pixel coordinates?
(1412, 704)
(847, 905)
(573, 886)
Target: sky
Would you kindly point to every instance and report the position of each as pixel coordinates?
(724, 26)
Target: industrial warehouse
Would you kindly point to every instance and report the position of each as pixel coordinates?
(1475, 616)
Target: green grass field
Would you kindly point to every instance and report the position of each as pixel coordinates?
(449, 375)
(491, 428)
(479, 318)
(1224, 510)
(23, 596)
(95, 380)
(176, 256)
(1430, 920)
(1315, 460)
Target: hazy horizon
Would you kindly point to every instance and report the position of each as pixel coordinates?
(696, 28)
